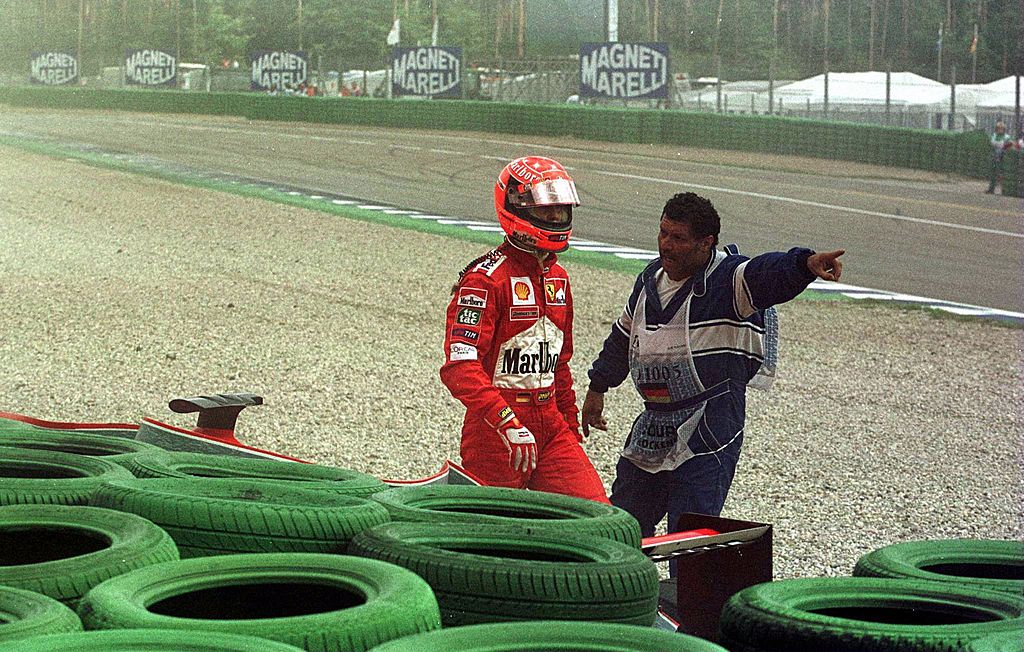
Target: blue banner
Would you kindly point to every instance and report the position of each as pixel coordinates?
(429, 71)
(278, 69)
(144, 67)
(53, 68)
(625, 71)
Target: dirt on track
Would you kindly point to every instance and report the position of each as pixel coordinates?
(120, 292)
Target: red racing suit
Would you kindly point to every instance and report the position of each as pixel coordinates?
(508, 341)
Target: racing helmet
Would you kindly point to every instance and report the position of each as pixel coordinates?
(534, 197)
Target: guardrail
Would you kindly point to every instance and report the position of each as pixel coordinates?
(959, 153)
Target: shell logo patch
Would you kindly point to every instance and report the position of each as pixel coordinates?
(554, 291)
(522, 291)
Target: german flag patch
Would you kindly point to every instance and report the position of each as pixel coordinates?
(655, 393)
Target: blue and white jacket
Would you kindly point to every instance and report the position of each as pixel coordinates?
(692, 359)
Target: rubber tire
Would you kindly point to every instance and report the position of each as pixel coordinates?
(788, 616)
(30, 477)
(169, 464)
(534, 511)
(113, 449)
(1005, 642)
(130, 542)
(24, 614)
(149, 640)
(550, 636)
(528, 577)
(213, 516)
(397, 602)
(913, 559)
(13, 426)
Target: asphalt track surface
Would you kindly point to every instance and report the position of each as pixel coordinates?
(904, 231)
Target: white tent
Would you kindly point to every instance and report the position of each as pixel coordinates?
(914, 100)
(1000, 94)
(865, 89)
(999, 103)
(737, 96)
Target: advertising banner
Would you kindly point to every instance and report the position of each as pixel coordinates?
(53, 68)
(150, 68)
(278, 68)
(625, 71)
(429, 71)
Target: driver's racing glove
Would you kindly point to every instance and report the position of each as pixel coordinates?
(521, 444)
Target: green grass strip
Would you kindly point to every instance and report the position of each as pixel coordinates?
(589, 258)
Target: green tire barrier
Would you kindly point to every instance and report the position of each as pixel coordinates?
(534, 511)
(854, 614)
(211, 516)
(35, 477)
(940, 151)
(149, 640)
(14, 426)
(113, 449)
(984, 564)
(1005, 642)
(496, 574)
(63, 551)
(167, 464)
(24, 614)
(550, 636)
(321, 603)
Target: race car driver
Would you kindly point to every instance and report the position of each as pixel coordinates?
(508, 341)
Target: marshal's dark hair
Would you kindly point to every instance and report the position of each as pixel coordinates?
(696, 212)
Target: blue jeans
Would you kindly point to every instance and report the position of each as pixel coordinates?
(700, 485)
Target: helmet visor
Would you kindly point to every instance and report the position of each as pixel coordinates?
(545, 193)
(556, 217)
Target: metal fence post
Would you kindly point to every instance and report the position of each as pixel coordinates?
(952, 96)
(888, 90)
(718, 84)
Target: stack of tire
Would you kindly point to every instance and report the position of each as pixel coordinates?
(166, 550)
(516, 570)
(78, 531)
(920, 596)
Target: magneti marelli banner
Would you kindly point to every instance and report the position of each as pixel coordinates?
(277, 69)
(53, 68)
(144, 67)
(428, 71)
(625, 71)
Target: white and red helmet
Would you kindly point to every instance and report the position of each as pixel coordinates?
(534, 197)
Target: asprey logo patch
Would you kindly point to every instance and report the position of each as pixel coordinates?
(523, 314)
(459, 351)
(522, 291)
(472, 298)
(465, 334)
(554, 291)
(468, 316)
